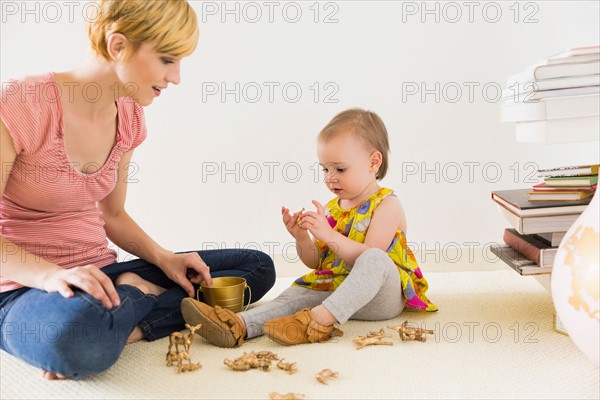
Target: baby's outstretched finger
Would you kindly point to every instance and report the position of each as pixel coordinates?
(298, 217)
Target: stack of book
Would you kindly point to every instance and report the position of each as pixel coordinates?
(537, 229)
(557, 99)
(565, 183)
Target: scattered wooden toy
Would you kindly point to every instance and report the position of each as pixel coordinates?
(290, 368)
(287, 396)
(409, 333)
(173, 357)
(373, 338)
(326, 375)
(237, 364)
(299, 217)
(261, 360)
(189, 367)
(267, 355)
(179, 356)
(185, 339)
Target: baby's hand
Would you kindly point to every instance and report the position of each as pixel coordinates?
(292, 224)
(316, 223)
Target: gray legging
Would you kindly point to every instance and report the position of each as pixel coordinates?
(372, 291)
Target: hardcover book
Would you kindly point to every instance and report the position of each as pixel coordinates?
(552, 71)
(551, 108)
(542, 187)
(552, 84)
(575, 170)
(571, 59)
(552, 238)
(516, 95)
(539, 224)
(559, 195)
(518, 262)
(534, 249)
(517, 202)
(586, 180)
(577, 51)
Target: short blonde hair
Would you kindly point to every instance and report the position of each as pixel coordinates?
(365, 124)
(171, 23)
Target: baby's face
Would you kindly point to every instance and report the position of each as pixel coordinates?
(347, 165)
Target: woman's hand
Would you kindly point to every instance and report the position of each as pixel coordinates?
(292, 225)
(88, 278)
(317, 223)
(186, 269)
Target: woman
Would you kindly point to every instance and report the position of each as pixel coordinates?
(66, 140)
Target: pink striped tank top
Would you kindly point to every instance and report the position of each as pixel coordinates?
(49, 208)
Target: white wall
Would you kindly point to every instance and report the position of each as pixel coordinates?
(367, 55)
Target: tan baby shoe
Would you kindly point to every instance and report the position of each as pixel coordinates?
(299, 328)
(220, 326)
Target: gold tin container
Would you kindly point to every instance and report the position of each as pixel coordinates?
(226, 292)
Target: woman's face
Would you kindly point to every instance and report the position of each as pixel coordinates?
(146, 73)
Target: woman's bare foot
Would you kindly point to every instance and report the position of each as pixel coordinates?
(136, 335)
(51, 376)
(129, 278)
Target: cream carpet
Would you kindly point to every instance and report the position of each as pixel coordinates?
(494, 339)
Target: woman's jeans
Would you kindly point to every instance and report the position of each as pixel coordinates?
(78, 336)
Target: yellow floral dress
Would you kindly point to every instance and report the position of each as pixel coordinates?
(354, 223)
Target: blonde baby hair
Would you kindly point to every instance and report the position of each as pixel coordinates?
(171, 23)
(365, 124)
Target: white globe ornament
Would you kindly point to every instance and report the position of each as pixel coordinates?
(575, 281)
